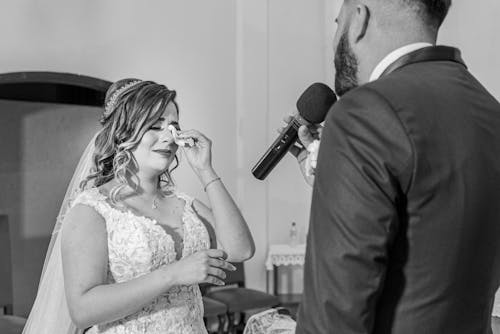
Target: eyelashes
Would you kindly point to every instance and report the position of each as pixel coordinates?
(159, 127)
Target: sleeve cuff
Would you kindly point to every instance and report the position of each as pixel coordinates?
(312, 157)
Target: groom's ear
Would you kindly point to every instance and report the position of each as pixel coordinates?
(359, 22)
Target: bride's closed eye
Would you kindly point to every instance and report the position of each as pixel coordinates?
(157, 125)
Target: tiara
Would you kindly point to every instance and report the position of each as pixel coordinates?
(110, 106)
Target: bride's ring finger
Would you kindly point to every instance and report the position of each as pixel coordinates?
(216, 272)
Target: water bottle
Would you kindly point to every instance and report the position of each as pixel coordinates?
(294, 235)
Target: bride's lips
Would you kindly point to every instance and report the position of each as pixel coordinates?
(164, 152)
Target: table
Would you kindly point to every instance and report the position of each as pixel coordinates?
(282, 255)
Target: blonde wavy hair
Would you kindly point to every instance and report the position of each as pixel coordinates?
(133, 111)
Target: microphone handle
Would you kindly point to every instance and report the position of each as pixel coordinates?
(277, 150)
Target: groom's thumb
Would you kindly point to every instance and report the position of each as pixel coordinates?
(305, 135)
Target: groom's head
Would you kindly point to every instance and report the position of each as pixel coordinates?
(367, 30)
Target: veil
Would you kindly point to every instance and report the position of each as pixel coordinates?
(50, 314)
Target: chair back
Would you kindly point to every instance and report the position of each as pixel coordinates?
(237, 276)
(6, 299)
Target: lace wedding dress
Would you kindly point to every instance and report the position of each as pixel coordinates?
(270, 322)
(138, 245)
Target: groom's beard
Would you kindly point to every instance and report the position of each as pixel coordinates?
(346, 67)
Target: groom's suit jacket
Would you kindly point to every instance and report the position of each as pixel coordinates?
(404, 234)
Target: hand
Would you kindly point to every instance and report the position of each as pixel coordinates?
(199, 156)
(306, 134)
(202, 267)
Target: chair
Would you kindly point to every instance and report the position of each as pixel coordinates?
(9, 324)
(217, 309)
(6, 298)
(239, 299)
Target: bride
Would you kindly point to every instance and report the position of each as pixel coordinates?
(129, 250)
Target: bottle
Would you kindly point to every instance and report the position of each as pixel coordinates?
(294, 235)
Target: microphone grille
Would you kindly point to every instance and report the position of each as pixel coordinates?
(315, 101)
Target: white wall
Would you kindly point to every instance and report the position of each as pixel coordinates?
(187, 45)
(473, 27)
(281, 47)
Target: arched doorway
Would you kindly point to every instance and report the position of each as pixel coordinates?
(46, 120)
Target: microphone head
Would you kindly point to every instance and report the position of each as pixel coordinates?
(315, 101)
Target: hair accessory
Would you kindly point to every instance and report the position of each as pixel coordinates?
(210, 182)
(108, 109)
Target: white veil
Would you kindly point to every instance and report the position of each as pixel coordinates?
(50, 314)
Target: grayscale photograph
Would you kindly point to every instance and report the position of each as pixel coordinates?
(250, 167)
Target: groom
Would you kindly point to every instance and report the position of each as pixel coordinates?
(404, 235)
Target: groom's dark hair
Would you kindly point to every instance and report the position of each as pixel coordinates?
(433, 12)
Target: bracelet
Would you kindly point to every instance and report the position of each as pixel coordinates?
(209, 182)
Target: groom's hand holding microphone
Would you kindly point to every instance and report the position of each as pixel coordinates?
(301, 133)
(307, 135)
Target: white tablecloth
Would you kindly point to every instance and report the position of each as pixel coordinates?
(285, 255)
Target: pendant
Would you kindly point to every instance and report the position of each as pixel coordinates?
(155, 205)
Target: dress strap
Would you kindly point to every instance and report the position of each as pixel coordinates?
(187, 199)
(93, 198)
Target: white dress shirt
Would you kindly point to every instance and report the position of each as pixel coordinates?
(395, 55)
(496, 305)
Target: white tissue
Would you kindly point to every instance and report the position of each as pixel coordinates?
(186, 142)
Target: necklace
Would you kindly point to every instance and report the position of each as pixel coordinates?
(154, 206)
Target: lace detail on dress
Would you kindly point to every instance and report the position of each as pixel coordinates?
(270, 322)
(138, 245)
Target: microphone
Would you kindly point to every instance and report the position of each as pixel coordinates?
(312, 107)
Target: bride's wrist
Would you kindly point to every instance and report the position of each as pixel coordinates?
(206, 175)
(168, 276)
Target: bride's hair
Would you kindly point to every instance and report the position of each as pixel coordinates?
(131, 108)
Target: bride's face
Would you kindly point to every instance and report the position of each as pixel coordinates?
(156, 150)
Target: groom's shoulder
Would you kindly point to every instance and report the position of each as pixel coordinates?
(414, 82)
(390, 93)
(365, 98)
(364, 109)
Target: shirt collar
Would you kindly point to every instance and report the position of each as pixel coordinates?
(395, 55)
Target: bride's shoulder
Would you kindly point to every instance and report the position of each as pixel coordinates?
(88, 202)
(84, 219)
(85, 208)
(88, 195)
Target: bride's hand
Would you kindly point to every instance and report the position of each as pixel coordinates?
(199, 155)
(206, 266)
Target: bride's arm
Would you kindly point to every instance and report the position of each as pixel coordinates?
(85, 261)
(230, 227)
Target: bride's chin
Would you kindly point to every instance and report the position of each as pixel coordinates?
(164, 167)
